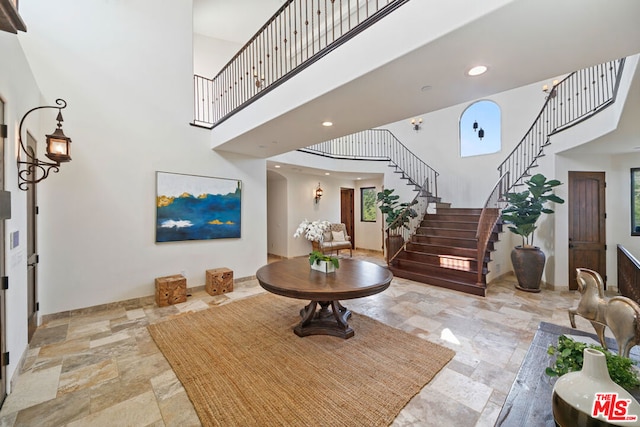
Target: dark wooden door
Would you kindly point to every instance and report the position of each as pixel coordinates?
(32, 255)
(587, 233)
(346, 213)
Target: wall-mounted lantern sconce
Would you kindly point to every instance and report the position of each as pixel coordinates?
(416, 123)
(551, 93)
(318, 193)
(58, 150)
(480, 131)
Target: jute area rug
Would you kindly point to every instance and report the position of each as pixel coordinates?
(242, 365)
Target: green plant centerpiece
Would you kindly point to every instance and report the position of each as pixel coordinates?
(321, 262)
(569, 358)
(522, 213)
(397, 216)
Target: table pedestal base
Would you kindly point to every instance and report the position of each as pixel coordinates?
(324, 321)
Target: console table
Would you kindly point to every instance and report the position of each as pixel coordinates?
(529, 400)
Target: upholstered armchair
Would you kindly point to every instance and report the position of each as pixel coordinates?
(334, 239)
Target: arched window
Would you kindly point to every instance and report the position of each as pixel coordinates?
(480, 129)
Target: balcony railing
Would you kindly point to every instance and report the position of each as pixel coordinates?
(300, 33)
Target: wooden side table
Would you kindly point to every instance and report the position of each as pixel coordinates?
(171, 290)
(219, 281)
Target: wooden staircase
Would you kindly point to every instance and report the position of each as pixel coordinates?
(443, 251)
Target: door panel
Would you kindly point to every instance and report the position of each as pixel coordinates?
(32, 256)
(346, 213)
(3, 319)
(587, 232)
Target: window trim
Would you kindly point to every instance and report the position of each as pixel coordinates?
(635, 227)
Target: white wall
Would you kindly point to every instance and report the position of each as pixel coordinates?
(211, 55)
(277, 214)
(368, 234)
(301, 189)
(467, 182)
(126, 72)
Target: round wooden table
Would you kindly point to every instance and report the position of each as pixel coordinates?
(294, 278)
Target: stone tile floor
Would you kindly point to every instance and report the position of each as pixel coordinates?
(100, 367)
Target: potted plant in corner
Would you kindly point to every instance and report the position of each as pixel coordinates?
(522, 213)
(397, 215)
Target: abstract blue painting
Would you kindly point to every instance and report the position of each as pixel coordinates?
(191, 207)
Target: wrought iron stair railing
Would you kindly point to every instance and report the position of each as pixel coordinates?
(382, 145)
(297, 35)
(576, 98)
(406, 225)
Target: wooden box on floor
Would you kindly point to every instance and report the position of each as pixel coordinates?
(171, 290)
(219, 281)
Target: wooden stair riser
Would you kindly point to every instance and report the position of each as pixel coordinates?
(454, 218)
(449, 241)
(441, 250)
(467, 288)
(459, 225)
(439, 260)
(470, 276)
(446, 232)
(460, 211)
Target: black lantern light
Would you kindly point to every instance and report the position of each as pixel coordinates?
(318, 193)
(58, 150)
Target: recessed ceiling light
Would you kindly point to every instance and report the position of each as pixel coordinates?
(327, 173)
(327, 124)
(477, 70)
(277, 166)
(358, 178)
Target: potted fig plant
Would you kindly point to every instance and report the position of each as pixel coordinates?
(397, 215)
(522, 213)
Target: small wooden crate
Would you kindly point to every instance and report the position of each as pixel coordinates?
(219, 281)
(171, 290)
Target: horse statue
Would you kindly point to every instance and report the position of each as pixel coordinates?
(620, 314)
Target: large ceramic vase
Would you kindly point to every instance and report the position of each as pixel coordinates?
(575, 394)
(528, 265)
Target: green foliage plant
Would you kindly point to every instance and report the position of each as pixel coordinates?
(317, 256)
(394, 210)
(525, 208)
(569, 358)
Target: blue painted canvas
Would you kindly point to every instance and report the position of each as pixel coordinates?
(190, 207)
